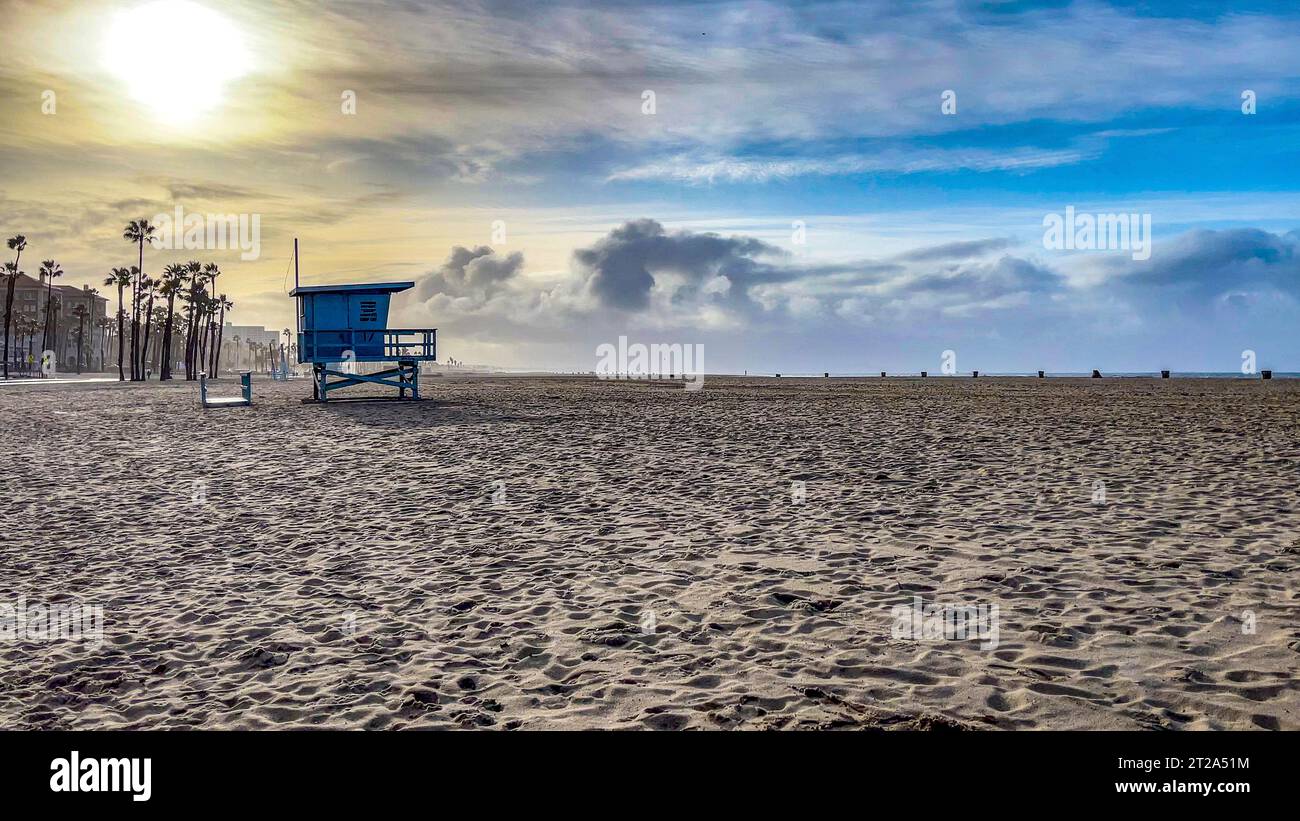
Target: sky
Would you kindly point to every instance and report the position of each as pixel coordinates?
(798, 187)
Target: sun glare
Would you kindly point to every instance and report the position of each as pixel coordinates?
(175, 57)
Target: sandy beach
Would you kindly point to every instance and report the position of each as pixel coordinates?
(563, 553)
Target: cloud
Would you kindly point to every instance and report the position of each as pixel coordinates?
(1211, 263)
(708, 170)
(477, 273)
(910, 287)
(622, 268)
(645, 278)
(203, 190)
(641, 273)
(483, 296)
(499, 80)
(955, 250)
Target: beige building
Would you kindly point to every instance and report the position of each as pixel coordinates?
(26, 326)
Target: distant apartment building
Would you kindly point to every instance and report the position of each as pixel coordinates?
(75, 310)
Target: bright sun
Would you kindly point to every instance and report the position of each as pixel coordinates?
(175, 57)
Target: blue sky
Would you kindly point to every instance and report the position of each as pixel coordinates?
(923, 231)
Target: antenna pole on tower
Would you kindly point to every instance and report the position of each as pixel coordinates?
(295, 262)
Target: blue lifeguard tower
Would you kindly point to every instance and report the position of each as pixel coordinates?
(340, 326)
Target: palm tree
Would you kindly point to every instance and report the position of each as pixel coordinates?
(11, 273)
(211, 271)
(90, 294)
(80, 313)
(17, 244)
(27, 326)
(49, 271)
(181, 330)
(283, 349)
(104, 325)
(20, 324)
(139, 232)
(148, 289)
(52, 310)
(202, 325)
(173, 279)
(193, 268)
(158, 321)
(225, 305)
(121, 277)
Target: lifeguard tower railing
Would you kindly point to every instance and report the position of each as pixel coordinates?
(340, 325)
(388, 345)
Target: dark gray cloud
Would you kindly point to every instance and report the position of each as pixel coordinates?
(622, 266)
(470, 272)
(1210, 263)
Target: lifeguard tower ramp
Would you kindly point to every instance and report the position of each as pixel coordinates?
(341, 326)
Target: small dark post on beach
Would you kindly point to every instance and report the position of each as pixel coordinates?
(975, 374)
(923, 373)
(1041, 374)
(827, 374)
(1096, 374)
(1164, 374)
(882, 374)
(1266, 374)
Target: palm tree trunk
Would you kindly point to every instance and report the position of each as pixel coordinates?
(45, 329)
(135, 325)
(121, 332)
(212, 346)
(156, 360)
(207, 346)
(137, 356)
(148, 325)
(189, 335)
(165, 367)
(221, 332)
(54, 329)
(9, 306)
(9, 309)
(202, 342)
(212, 340)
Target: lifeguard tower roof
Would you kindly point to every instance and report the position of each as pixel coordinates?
(361, 288)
